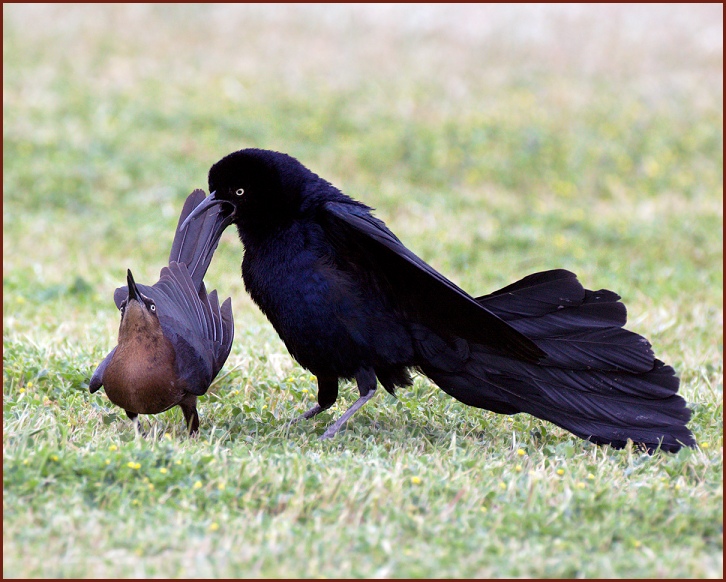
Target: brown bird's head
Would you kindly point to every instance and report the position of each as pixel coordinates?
(138, 312)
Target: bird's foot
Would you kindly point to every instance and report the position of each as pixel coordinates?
(334, 428)
(314, 411)
(138, 430)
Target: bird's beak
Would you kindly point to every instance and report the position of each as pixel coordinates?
(204, 207)
(133, 290)
(223, 216)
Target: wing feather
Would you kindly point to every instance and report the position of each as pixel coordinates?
(419, 288)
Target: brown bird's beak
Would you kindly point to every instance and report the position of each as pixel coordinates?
(133, 290)
(224, 216)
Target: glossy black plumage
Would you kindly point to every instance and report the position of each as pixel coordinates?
(350, 301)
(173, 337)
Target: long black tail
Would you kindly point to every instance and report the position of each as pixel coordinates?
(599, 381)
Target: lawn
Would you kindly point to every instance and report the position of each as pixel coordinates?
(495, 142)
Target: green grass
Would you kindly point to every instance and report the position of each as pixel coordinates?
(596, 147)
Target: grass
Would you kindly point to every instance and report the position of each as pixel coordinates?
(495, 143)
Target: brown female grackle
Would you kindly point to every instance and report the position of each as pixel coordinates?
(174, 337)
(351, 301)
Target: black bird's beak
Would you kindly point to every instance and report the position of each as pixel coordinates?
(133, 290)
(223, 217)
(204, 207)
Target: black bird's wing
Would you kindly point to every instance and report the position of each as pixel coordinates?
(416, 286)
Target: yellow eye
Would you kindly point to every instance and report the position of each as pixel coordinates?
(240, 191)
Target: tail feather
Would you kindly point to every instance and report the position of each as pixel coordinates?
(551, 291)
(599, 381)
(608, 349)
(227, 331)
(577, 328)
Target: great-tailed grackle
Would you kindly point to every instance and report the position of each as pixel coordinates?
(351, 301)
(174, 337)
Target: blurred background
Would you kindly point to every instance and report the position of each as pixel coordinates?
(495, 140)
(498, 139)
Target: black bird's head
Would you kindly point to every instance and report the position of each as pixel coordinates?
(258, 190)
(138, 312)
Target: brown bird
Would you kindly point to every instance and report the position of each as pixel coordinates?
(174, 337)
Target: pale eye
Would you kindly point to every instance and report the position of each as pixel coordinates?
(240, 191)
(152, 308)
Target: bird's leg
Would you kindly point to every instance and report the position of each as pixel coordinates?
(327, 395)
(191, 417)
(134, 417)
(366, 380)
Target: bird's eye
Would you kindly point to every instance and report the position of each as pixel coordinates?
(240, 191)
(121, 309)
(152, 308)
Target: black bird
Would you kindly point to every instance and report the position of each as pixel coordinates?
(351, 301)
(174, 337)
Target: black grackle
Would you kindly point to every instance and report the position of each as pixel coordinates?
(174, 337)
(351, 301)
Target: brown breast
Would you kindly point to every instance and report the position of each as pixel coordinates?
(141, 378)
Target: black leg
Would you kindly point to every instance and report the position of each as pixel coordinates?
(189, 408)
(366, 379)
(134, 417)
(327, 395)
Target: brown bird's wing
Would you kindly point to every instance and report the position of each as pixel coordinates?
(416, 286)
(198, 327)
(190, 245)
(200, 330)
(97, 379)
(223, 328)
